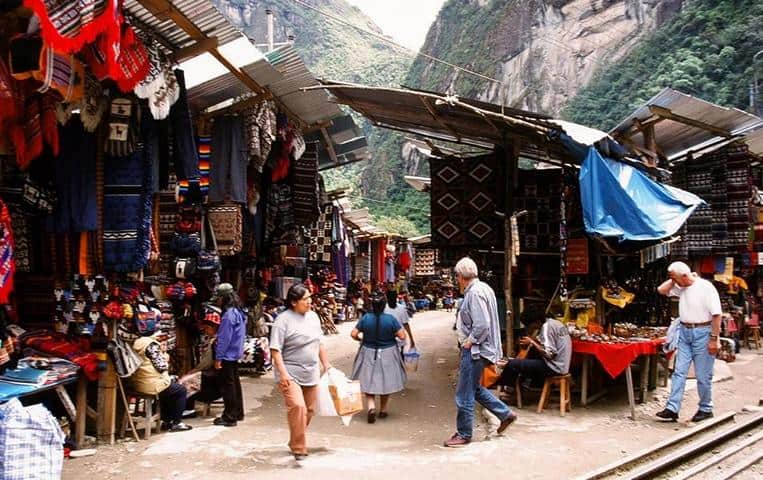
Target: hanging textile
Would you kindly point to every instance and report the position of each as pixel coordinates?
(7, 260)
(465, 194)
(205, 149)
(35, 128)
(339, 248)
(228, 159)
(305, 188)
(185, 153)
(70, 24)
(127, 208)
(320, 236)
(75, 210)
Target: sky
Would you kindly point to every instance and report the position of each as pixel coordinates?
(408, 28)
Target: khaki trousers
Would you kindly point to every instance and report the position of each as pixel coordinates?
(300, 408)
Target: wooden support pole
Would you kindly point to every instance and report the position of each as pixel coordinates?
(81, 403)
(511, 153)
(668, 114)
(107, 403)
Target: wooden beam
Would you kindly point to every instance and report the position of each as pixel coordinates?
(666, 113)
(238, 106)
(329, 145)
(638, 125)
(197, 48)
(437, 119)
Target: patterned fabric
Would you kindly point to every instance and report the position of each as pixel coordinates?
(124, 125)
(279, 224)
(540, 195)
(320, 236)
(204, 143)
(227, 221)
(22, 235)
(465, 194)
(260, 124)
(305, 188)
(7, 261)
(31, 443)
(69, 24)
(127, 212)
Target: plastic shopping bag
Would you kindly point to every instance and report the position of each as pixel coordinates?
(325, 403)
(345, 393)
(411, 360)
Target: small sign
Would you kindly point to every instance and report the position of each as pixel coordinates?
(577, 256)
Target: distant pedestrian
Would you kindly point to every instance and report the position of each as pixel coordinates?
(480, 343)
(699, 309)
(298, 354)
(379, 363)
(400, 312)
(228, 351)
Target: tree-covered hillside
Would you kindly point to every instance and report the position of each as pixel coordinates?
(705, 51)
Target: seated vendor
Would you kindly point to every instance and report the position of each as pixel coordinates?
(210, 387)
(554, 347)
(152, 378)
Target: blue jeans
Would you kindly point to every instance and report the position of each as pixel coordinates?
(692, 347)
(469, 390)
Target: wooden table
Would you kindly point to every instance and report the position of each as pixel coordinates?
(616, 358)
(77, 411)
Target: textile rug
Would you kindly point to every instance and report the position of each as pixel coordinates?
(305, 189)
(320, 236)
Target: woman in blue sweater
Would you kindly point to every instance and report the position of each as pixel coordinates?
(228, 351)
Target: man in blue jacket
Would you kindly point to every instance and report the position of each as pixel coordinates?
(229, 349)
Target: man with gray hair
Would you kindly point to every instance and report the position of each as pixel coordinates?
(699, 310)
(480, 343)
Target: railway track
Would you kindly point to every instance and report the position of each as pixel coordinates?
(725, 447)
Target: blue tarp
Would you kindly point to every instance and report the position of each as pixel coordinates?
(621, 201)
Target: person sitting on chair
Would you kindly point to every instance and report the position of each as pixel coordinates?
(554, 346)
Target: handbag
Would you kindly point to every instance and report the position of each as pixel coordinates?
(227, 220)
(126, 361)
(208, 260)
(184, 267)
(185, 244)
(188, 219)
(490, 375)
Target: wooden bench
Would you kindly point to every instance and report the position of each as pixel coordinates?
(150, 413)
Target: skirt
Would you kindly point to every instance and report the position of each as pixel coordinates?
(380, 371)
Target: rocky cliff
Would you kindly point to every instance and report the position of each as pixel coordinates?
(540, 52)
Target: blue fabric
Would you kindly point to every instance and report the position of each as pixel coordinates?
(469, 389)
(692, 347)
(231, 335)
(387, 329)
(621, 201)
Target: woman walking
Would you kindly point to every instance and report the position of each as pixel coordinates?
(297, 354)
(228, 351)
(379, 364)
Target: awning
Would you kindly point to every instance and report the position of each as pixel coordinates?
(346, 140)
(622, 202)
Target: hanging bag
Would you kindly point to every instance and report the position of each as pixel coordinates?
(126, 361)
(227, 221)
(208, 260)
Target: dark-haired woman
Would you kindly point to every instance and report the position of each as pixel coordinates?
(228, 351)
(378, 364)
(298, 354)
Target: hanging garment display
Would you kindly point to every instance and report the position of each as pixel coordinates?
(75, 209)
(320, 236)
(7, 260)
(227, 176)
(35, 128)
(465, 194)
(69, 24)
(185, 153)
(305, 188)
(124, 126)
(204, 143)
(227, 221)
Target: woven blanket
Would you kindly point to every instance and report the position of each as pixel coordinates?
(69, 24)
(127, 206)
(204, 144)
(465, 195)
(59, 345)
(305, 189)
(320, 236)
(7, 261)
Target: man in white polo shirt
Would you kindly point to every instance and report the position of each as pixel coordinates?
(699, 308)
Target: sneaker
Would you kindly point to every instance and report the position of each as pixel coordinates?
(667, 415)
(189, 414)
(505, 424)
(180, 427)
(457, 441)
(224, 422)
(700, 415)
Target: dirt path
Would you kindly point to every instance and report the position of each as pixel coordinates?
(407, 443)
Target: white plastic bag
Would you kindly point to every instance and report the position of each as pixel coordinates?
(325, 404)
(674, 333)
(411, 360)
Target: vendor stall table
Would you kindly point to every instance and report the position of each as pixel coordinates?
(616, 358)
(78, 413)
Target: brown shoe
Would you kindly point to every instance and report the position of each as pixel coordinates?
(505, 424)
(457, 441)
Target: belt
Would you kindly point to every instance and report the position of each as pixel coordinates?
(696, 325)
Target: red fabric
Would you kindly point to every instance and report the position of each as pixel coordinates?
(69, 25)
(59, 345)
(615, 357)
(405, 261)
(381, 254)
(707, 265)
(7, 262)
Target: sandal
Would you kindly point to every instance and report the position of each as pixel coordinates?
(371, 415)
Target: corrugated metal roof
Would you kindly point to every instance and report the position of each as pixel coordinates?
(422, 184)
(227, 86)
(754, 140)
(675, 138)
(201, 13)
(347, 140)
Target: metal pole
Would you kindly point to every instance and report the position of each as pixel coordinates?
(269, 14)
